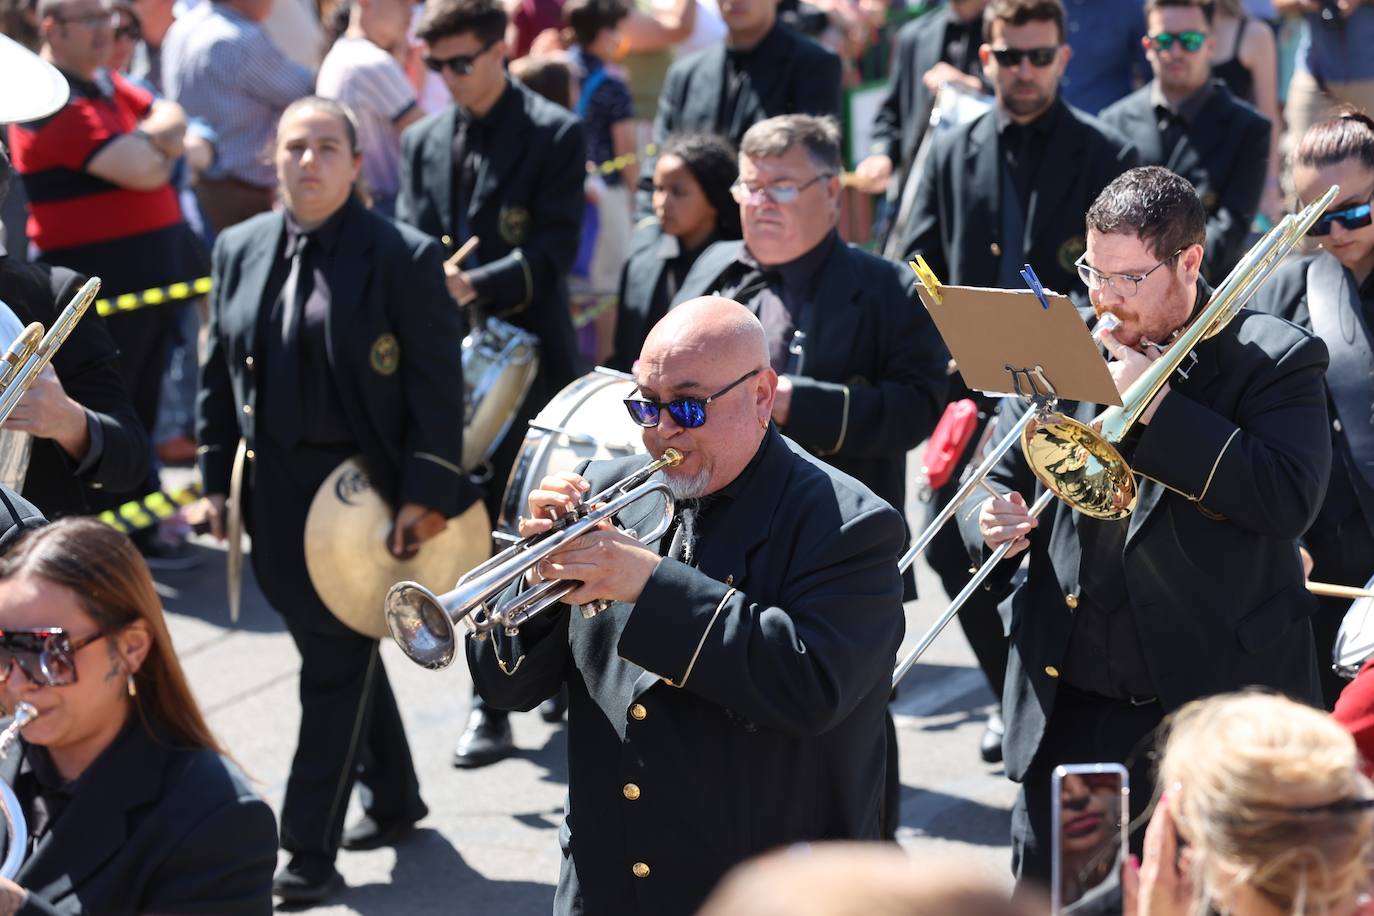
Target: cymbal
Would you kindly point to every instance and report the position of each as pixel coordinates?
(348, 560)
(35, 88)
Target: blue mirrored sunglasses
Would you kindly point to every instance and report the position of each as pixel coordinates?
(688, 413)
(1356, 217)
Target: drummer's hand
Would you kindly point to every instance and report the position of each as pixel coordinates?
(1006, 519)
(1128, 364)
(557, 495)
(414, 525)
(459, 285)
(207, 513)
(609, 563)
(1307, 562)
(46, 412)
(12, 897)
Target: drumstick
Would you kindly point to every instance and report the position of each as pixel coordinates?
(462, 253)
(1330, 590)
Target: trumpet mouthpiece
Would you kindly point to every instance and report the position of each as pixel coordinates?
(672, 456)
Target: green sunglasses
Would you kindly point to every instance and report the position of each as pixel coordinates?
(1188, 41)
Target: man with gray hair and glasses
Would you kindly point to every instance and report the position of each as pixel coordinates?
(861, 368)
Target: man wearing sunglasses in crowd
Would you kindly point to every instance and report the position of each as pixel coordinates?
(1200, 589)
(861, 368)
(506, 166)
(1191, 123)
(1005, 190)
(1331, 293)
(731, 698)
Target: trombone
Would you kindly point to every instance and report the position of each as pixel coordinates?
(425, 624)
(1080, 463)
(32, 350)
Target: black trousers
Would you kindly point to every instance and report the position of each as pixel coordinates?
(1083, 728)
(351, 728)
(1343, 555)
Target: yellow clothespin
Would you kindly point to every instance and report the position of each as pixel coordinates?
(927, 278)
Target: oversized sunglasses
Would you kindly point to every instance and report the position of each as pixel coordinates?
(1012, 57)
(460, 64)
(688, 413)
(47, 656)
(1188, 41)
(1356, 217)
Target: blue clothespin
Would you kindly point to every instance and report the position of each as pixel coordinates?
(1028, 274)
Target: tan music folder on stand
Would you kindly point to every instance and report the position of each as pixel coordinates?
(993, 333)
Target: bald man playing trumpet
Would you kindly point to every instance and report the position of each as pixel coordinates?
(731, 699)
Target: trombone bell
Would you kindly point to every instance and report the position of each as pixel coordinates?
(1079, 466)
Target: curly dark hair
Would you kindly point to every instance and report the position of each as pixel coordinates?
(485, 19)
(1155, 205)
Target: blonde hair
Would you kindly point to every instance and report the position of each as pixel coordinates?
(1268, 794)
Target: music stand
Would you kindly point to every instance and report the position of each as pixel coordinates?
(1007, 342)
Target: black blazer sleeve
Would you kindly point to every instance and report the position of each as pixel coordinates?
(1267, 471)
(795, 667)
(509, 284)
(429, 327)
(412, 145)
(891, 412)
(887, 124)
(217, 427)
(923, 234)
(88, 369)
(1228, 227)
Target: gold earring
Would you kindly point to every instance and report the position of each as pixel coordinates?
(133, 688)
(763, 424)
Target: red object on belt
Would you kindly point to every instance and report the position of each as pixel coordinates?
(949, 441)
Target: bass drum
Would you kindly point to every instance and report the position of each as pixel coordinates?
(1355, 639)
(586, 420)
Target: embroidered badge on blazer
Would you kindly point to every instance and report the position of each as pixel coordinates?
(514, 225)
(1071, 251)
(386, 354)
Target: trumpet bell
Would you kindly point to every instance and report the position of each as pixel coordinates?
(420, 625)
(1079, 466)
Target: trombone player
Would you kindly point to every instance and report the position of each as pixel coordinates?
(1200, 590)
(732, 697)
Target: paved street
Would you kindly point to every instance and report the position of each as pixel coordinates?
(490, 844)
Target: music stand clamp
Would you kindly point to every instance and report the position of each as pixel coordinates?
(1031, 386)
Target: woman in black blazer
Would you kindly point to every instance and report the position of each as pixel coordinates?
(332, 333)
(692, 209)
(132, 807)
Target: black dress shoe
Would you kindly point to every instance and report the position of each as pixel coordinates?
(369, 833)
(307, 879)
(991, 746)
(485, 740)
(552, 709)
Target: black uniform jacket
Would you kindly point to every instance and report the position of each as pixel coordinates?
(789, 628)
(87, 365)
(150, 829)
(1224, 154)
(1236, 460)
(17, 515)
(875, 366)
(902, 120)
(395, 339)
(1285, 295)
(526, 208)
(956, 222)
(789, 74)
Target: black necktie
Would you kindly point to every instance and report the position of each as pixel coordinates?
(293, 294)
(284, 367)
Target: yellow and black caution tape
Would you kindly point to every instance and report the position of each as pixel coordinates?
(624, 161)
(158, 295)
(147, 511)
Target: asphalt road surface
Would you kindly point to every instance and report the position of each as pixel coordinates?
(490, 843)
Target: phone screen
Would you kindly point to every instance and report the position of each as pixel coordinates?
(1091, 809)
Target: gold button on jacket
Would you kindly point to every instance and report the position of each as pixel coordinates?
(638, 711)
(640, 869)
(1071, 600)
(1052, 671)
(631, 791)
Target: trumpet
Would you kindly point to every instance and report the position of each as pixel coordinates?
(32, 350)
(18, 828)
(1080, 463)
(424, 624)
